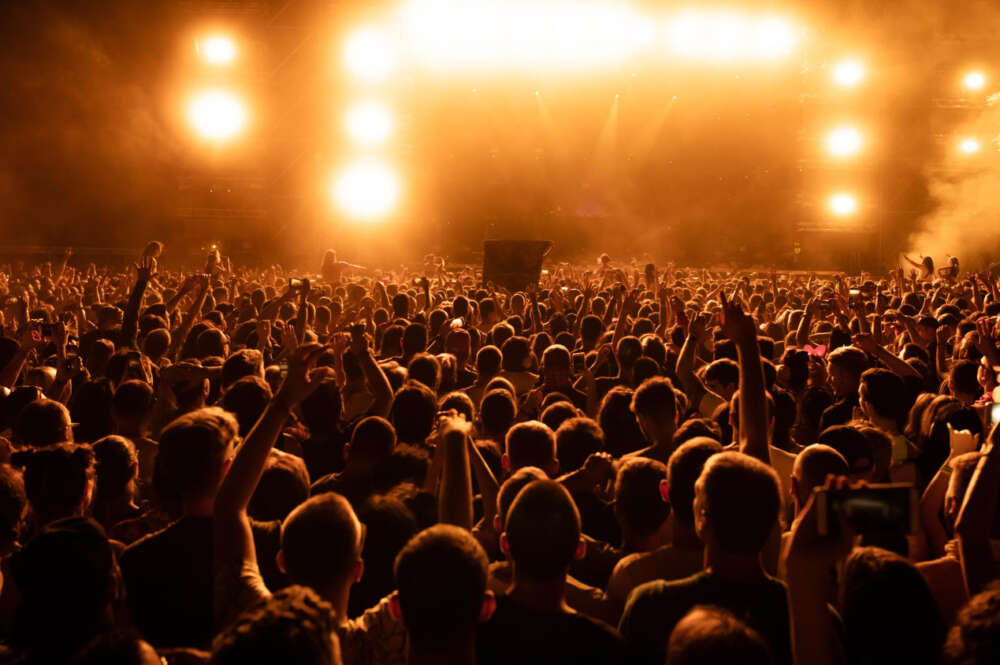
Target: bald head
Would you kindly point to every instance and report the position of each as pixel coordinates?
(811, 468)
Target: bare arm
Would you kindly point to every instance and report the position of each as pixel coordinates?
(178, 337)
(740, 328)
(455, 491)
(692, 385)
(975, 519)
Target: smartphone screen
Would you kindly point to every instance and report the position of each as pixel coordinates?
(885, 508)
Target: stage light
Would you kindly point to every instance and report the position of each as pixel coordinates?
(969, 146)
(843, 204)
(217, 115)
(369, 122)
(974, 80)
(366, 190)
(844, 142)
(848, 73)
(368, 54)
(217, 49)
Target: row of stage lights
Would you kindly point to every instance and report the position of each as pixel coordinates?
(369, 188)
(847, 141)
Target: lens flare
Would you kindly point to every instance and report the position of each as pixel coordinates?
(369, 55)
(974, 80)
(969, 146)
(217, 50)
(848, 73)
(366, 190)
(369, 122)
(844, 142)
(843, 204)
(217, 115)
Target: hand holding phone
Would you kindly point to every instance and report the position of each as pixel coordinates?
(890, 508)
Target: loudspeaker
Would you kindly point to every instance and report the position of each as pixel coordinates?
(514, 264)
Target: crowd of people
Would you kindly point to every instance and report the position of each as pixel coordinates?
(618, 463)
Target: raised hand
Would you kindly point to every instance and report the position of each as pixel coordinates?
(146, 268)
(303, 377)
(736, 324)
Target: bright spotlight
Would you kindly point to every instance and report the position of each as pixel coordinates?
(844, 142)
(969, 146)
(217, 49)
(843, 204)
(366, 190)
(369, 122)
(368, 54)
(848, 73)
(974, 80)
(217, 115)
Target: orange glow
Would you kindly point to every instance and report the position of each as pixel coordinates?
(848, 73)
(369, 54)
(217, 49)
(217, 115)
(366, 190)
(974, 80)
(369, 122)
(969, 146)
(843, 204)
(844, 142)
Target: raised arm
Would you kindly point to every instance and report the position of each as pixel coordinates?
(377, 381)
(145, 270)
(178, 336)
(975, 520)
(892, 362)
(739, 327)
(455, 490)
(233, 539)
(690, 383)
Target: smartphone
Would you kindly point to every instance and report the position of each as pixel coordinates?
(298, 284)
(457, 323)
(283, 368)
(879, 508)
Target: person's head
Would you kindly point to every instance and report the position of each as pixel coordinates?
(245, 362)
(531, 444)
(542, 532)
(516, 354)
(855, 448)
(212, 342)
(811, 468)
(321, 410)
(459, 401)
(497, 412)
(622, 433)
(372, 441)
(132, 406)
(655, 407)
(488, 361)
(639, 505)
(964, 381)
(975, 636)
(846, 365)
(90, 409)
(58, 479)
(557, 367)
(68, 582)
(737, 502)
(882, 396)
(712, 636)
(557, 412)
(321, 543)
(193, 455)
(43, 422)
(246, 399)
(722, 377)
(155, 343)
(283, 485)
(294, 626)
(888, 611)
(414, 339)
(116, 468)
(683, 469)
(426, 369)
(389, 524)
(577, 439)
(414, 410)
(628, 351)
(441, 591)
